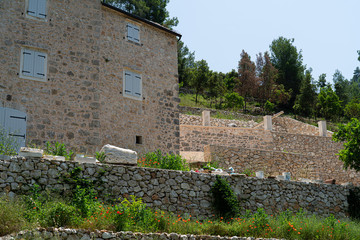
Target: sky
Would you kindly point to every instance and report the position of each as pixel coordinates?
(327, 31)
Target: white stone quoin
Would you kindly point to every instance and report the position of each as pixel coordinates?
(119, 155)
(206, 118)
(268, 122)
(322, 128)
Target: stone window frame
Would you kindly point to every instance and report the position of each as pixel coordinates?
(35, 50)
(132, 96)
(37, 17)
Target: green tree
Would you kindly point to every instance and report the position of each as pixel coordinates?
(305, 101)
(230, 80)
(359, 55)
(329, 103)
(215, 86)
(289, 63)
(234, 101)
(341, 87)
(199, 77)
(321, 83)
(153, 10)
(350, 135)
(247, 84)
(267, 74)
(352, 109)
(186, 61)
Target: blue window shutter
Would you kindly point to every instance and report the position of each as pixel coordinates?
(32, 8)
(41, 8)
(2, 117)
(15, 125)
(28, 62)
(128, 83)
(136, 34)
(39, 68)
(137, 85)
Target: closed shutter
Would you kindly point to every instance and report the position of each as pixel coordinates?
(39, 69)
(128, 83)
(137, 85)
(15, 125)
(130, 32)
(32, 8)
(136, 34)
(41, 8)
(28, 63)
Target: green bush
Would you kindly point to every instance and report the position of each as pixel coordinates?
(158, 160)
(8, 144)
(58, 214)
(101, 156)
(11, 218)
(225, 201)
(58, 149)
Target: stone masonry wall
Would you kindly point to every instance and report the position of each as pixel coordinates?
(274, 163)
(289, 125)
(174, 191)
(216, 122)
(82, 103)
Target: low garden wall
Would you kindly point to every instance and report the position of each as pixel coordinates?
(274, 163)
(289, 125)
(174, 191)
(67, 234)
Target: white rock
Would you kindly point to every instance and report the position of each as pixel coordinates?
(119, 155)
(31, 152)
(85, 159)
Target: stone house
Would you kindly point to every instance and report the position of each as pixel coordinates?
(85, 73)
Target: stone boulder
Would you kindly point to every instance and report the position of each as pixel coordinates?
(116, 155)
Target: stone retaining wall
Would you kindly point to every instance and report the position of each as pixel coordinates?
(289, 125)
(174, 191)
(274, 163)
(216, 122)
(72, 234)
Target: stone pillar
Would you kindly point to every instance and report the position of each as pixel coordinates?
(206, 118)
(322, 128)
(268, 122)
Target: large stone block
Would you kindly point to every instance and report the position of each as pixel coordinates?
(31, 152)
(116, 155)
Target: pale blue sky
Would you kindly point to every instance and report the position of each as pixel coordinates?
(327, 31)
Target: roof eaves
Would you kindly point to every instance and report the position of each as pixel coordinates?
(142, 19)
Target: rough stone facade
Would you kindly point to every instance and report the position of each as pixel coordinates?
(82, 101)
(175, 191)
(76, 234)
(274, 163)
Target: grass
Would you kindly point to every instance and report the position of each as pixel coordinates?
(133, 215)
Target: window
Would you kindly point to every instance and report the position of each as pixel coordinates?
(132, 85)
(138, 139)
(133, 33)
(33, 65)
(36, 8)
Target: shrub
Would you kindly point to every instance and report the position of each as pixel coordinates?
(100, 156)
(8, 144)
(58, 214)
(11, 219)
(59, 149)
(225, 201)
(158, 160)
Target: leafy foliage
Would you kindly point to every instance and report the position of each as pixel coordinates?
(225, 201)
(234, 101)
(352, 109)
(199, 77)
(58, 149)
(158, 160)
(11, 216)
(101, 156)
(8, 144)
(305, 101)
(350, 135)
(329, 103)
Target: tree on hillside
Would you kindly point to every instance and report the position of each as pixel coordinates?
(305, 100)
(230, 80)
(215, 87)
(247, 84)
(359, 55)
(153, 10)
(329, 103)
(350, 135)
(321, 83)
(186, 61)
(352, 109)
(267, 74)
(341, 87)
(199, 77)
(288, 61)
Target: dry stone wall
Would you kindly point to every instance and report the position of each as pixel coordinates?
(174, 191)
(197, 120)
(274, 163)
(76, 234)
(289, 125)
(81, 103)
